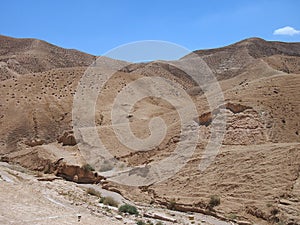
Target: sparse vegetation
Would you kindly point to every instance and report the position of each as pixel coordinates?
(274, 211)
(126, 208)
(159, 223)
(232, 216)
(140, 222)
(171, 204)
(268, 205)
(106, 166)
(107, 209)
(214, 201)
(109, 201)
(92, 191)
(88, 167)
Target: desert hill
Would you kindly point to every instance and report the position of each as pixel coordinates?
(256, 172)
(239, 55)
(27, 55)
(252, 58)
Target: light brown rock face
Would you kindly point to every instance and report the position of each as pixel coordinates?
(245, 128)
(244, 125)
(78, 174)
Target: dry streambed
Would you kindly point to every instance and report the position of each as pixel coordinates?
(31, 198)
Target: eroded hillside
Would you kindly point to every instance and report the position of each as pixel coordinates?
(256, 171)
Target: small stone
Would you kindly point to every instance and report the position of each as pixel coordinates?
(244, 222)
(191, 217)
(285, 202)
(118, 217)
(79, 217)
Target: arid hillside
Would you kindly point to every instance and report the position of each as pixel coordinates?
(26, 55)
(256, 172)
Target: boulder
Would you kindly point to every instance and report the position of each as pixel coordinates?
(78, 174)
(205, 119)
(118, 217)
(236, 107)
(160, 216)
(67, 138)
(34, 142)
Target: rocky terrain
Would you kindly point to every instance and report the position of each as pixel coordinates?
(28, 197)
(255, 174)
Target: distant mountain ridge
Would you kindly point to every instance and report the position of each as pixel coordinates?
(258, 48)
(26, 55)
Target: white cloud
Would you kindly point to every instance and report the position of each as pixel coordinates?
(286, 31)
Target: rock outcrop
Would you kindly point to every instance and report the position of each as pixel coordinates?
(244, 125)
(67, 138)
(34, 142)
(205, 119)
(77, 174)
(236, 108)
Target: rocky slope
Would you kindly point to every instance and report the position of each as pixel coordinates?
(26, 55)
(46, 199)
(256, 172)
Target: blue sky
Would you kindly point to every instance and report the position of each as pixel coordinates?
(98, 26)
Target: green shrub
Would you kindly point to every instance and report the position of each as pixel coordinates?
(268, 205)
(159, 223)
(126, 208)
(232, 216)
(214, 201)
(101, 200)
(274, 211)
(88, 167)
(140, 222)
(106, 166)
(107, 209)
(109, 201)
(92, 191)
(171, 204)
